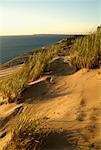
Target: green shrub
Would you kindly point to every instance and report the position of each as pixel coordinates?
(86, 51)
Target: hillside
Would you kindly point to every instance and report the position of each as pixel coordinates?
(53, 100)
(71, 103)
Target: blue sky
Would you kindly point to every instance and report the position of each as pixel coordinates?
(49, 16)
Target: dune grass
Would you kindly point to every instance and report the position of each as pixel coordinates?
(27, 134)
(12, 87)
(86, 51)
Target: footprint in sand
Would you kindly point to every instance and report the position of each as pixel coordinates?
(81, 115)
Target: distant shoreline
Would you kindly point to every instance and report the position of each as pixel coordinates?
(14, 46)
(65, 34)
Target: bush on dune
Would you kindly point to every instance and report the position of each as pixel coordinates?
(86, 51)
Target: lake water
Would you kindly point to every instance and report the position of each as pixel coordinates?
(12, 46)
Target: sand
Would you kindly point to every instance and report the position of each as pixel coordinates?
(70, 101)
(4, 73)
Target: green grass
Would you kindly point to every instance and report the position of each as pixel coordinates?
(86, 51)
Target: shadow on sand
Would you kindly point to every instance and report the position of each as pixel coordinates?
(60, 68)
(40, 91)
(57, 141)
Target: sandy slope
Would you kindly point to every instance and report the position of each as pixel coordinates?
(9, 71)
(70, 102)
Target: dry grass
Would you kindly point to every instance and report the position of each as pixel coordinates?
(27, 134)
(12, 87)
(86, 51)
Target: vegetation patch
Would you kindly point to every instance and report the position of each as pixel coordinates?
(11, 88)
(27, 135)
(86, 51)
(83, 52)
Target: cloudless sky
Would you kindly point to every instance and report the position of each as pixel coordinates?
(22, 17)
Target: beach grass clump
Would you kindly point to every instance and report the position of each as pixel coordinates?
(27, 134)
(86, 51)
(12, 87)
(42, 60)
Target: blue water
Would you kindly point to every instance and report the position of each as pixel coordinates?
(12, 46)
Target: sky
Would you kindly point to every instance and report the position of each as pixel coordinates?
(27, 17)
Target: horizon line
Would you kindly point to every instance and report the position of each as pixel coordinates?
(44, 34)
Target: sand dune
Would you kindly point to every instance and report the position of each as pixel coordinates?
(4, 73)
(70, 101)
